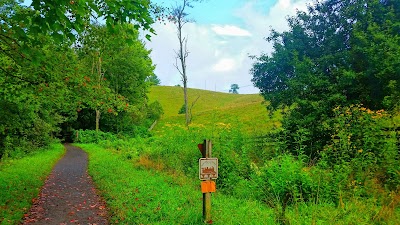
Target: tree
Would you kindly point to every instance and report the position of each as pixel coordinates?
(376, 46)
(234, 88)
(116, 71)
(41, 79)
(63, 21)
(179, 18)
(36, 100)
(331, 56)
(153, 80)
(59, 18)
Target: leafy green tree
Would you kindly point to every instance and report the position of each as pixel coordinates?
(116, 70)
(42, 82)
(376, 47)
(153, 80)
(36, 100)
(234, 88)
(330, 57)
(66, 19)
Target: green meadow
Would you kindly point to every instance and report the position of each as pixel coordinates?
(212, 109)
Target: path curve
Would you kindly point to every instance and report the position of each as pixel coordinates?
(68, 195)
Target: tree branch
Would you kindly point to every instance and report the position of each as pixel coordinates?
(20, 78)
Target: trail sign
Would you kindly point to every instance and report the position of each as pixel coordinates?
(208, 186)
(208, 168)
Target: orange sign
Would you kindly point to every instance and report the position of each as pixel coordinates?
(208, 186)
(208, 168)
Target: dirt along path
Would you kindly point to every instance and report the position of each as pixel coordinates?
(68, 196)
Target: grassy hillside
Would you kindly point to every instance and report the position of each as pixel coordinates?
(214, 109)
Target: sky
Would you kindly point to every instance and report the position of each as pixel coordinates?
(220, 40)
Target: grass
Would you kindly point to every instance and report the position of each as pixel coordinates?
(140, 191)
(214, 108)
(140, 196)
(143, 183)
(21, 180)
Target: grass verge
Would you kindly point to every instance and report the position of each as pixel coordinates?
(139, 196)
(21, 180)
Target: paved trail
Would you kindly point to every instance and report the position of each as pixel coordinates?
(68, 196)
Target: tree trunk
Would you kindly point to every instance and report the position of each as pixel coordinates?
(186, 104)
(182, 56)
(97, 120)
(100, 77)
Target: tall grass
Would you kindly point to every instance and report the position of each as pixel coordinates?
(21, 180)
(145, 190)
(257, 171)
(139, 196)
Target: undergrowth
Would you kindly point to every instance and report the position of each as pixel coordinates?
(354, 179)
(136, 195)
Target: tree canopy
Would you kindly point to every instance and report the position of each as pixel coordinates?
(338, 53)
(234, 88)
(57, 67)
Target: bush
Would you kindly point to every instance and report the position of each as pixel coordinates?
(182, 110)
(155, 111)
(285, 180)
(362, 139)
(92, 136)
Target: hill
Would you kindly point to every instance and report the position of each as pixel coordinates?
(244, 111)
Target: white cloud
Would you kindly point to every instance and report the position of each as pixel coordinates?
(219, 52)
(284, 3)
(224, 65)
(230, 30)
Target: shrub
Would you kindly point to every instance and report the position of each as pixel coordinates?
(182, 110)
(362, 139)
(155, 111)
(285, 180)
(92, 136)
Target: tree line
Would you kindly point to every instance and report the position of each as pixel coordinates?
(61, 70)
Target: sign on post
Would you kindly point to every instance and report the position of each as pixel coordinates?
(208, 186)
(208, 168)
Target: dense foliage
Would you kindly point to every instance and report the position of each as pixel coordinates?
(60, 71)
(335, 76)
(339, 53)
(328, 153)
(289, 187)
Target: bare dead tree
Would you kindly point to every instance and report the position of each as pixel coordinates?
(179, 17)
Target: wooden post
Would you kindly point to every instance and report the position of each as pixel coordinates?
(207, 196)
